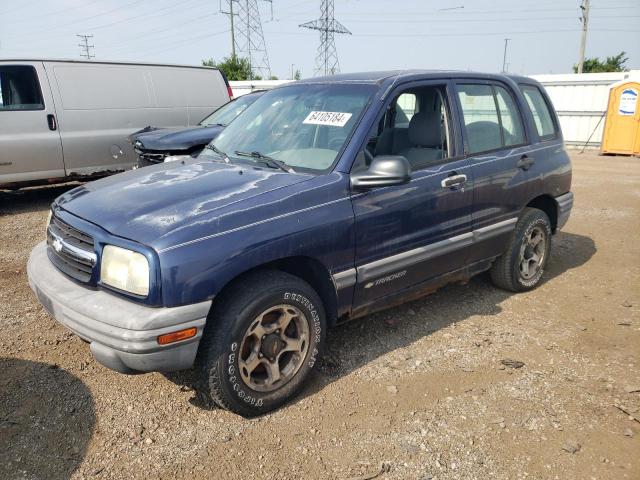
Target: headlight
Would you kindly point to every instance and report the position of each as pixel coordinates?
(46, 225)
(125, 269)
(176, 158)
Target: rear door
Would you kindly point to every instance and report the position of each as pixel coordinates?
(30, 147)
(496, 144)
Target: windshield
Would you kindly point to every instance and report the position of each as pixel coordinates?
(226, 113)
(302, 126)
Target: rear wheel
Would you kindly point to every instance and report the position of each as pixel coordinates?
(521, 267)
(261, 341)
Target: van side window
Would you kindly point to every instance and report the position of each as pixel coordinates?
(491, 117)
(19, 88)
(415, 126)
(540, 110)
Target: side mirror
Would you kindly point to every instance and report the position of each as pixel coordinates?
(384, 171)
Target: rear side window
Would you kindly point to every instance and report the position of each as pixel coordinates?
(509, 117)
(540, 110)
(19, 88)
(491, 118)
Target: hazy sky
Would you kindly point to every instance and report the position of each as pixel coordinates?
(545, 35)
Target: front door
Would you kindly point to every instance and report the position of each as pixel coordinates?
(30, 147)
(414, 232)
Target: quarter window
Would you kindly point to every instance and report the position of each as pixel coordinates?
(491, 118)
(540, 110)
(19, 89)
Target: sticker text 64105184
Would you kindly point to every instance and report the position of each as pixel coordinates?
(332, 119)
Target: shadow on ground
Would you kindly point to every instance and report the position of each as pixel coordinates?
(47, 417)
(33, 199)
(354, 344)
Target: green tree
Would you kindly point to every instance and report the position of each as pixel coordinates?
(233, 67)
(611, 64)
(297, 75)
(273, 77)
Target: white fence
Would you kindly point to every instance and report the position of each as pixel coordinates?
(580, 100)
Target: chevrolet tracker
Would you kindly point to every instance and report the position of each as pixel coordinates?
(323, 201)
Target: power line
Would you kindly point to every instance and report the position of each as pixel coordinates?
(85, 47)
(327, 57)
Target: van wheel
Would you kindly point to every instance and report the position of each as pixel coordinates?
(260, 343)
(521, 267)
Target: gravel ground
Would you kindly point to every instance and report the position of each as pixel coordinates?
(470, 382)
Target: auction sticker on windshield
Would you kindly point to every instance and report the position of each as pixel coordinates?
(332, 119)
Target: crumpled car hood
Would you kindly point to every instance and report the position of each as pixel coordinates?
(170, 139)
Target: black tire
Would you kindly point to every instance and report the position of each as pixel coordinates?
(506, 271)
(219, 355)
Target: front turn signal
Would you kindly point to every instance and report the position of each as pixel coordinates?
(177, 336)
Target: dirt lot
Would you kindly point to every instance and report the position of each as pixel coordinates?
(416, 392)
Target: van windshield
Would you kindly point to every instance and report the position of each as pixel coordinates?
(302, 126)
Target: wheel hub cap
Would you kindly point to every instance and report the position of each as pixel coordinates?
(274, 348)
(532, 253)
(271, 346)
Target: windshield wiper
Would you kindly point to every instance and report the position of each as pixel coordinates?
(269, 161)
(224, 156)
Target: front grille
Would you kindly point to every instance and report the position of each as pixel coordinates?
(70, 258)
(146, 158)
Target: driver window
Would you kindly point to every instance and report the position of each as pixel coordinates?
(415, 126)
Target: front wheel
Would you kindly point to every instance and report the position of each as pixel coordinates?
(521, 267)
(260, 343)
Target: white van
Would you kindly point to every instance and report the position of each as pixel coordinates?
(67, 119)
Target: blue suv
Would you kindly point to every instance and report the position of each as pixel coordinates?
(323, 201)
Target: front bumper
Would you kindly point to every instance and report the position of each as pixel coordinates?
(123, 334)
(565, 204)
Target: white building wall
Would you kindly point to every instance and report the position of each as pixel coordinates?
(242, 87)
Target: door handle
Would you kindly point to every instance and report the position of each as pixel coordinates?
(525, 162)
(51, 120)
(453, 181)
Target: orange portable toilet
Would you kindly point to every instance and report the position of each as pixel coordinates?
(622, 125)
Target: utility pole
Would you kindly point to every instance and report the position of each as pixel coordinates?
(85, 47)
(584, 19)
(504, 56)
(327, 56)
(233, 30)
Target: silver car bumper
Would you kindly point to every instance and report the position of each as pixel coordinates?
(123, 334)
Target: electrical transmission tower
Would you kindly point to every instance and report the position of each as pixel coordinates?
(247, 38)
(85, 47)
(327, 57)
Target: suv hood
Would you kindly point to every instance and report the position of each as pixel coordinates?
(169, 139)
(148, 204)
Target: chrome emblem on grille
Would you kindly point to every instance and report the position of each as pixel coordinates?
(57, 244)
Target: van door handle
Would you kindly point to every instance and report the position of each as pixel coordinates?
(453, 181)
(51, 120)
(525, 162)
